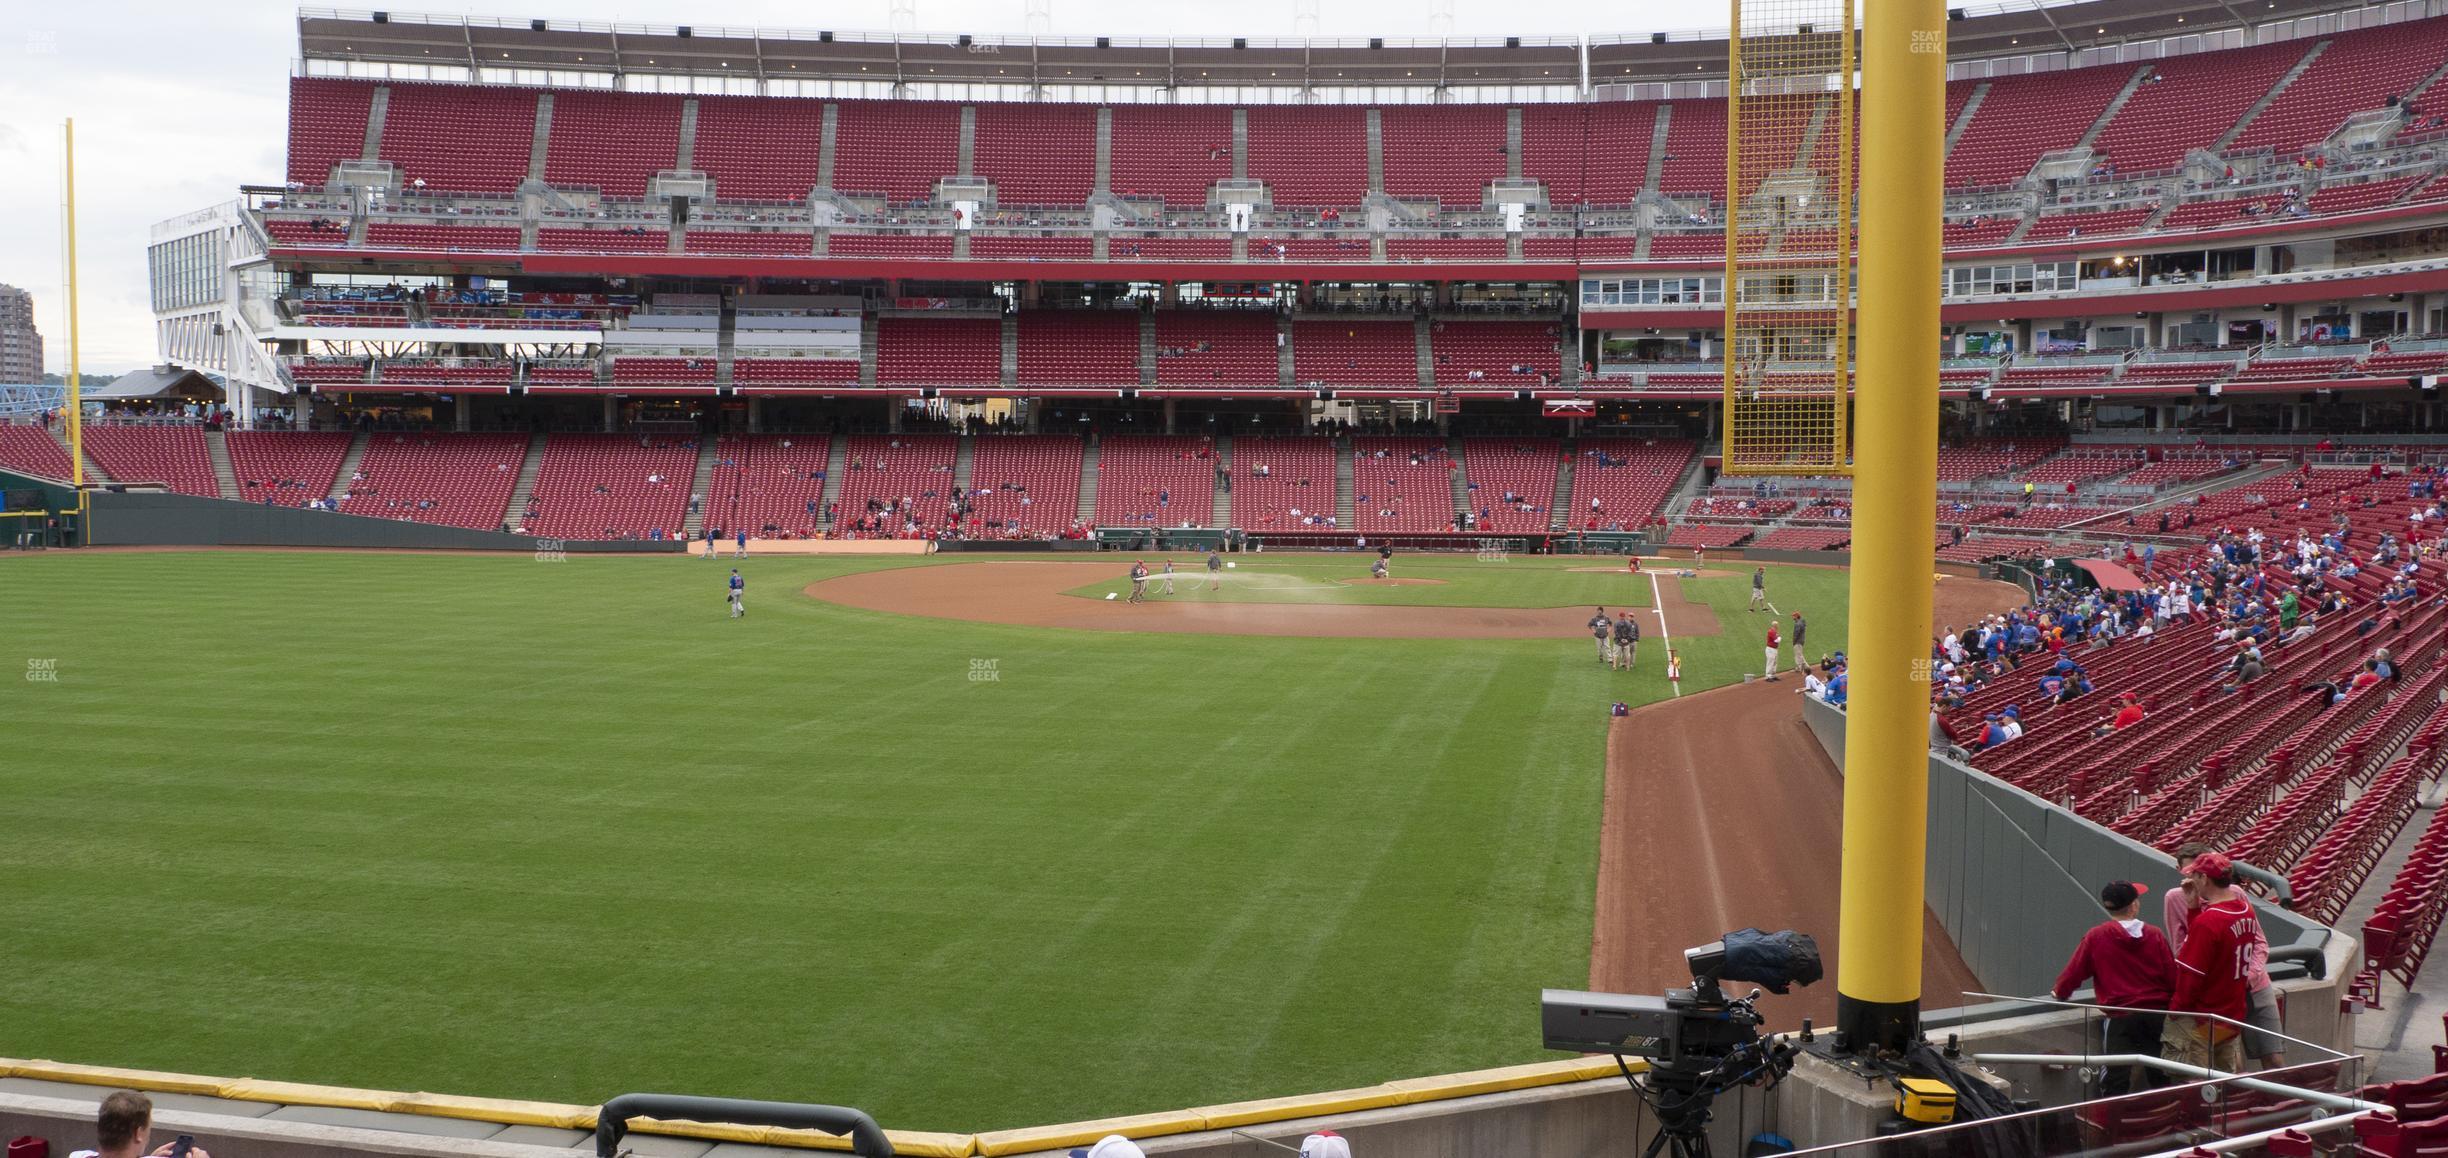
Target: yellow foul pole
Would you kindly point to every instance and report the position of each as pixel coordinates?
(1895, 487)
(76, 407)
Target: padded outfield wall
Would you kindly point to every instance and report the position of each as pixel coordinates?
(152, 519)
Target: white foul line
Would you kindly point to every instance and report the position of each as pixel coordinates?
(1657, 603)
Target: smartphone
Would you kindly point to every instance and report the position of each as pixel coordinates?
(180, 1147)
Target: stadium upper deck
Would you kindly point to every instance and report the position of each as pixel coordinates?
(2295, 124)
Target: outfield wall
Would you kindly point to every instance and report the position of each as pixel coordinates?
(153, 519)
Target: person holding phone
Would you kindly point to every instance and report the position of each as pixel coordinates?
(124, 1127)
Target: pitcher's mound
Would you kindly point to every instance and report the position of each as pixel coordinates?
(1396, 582)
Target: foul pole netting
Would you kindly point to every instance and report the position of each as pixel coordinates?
(1790, 158)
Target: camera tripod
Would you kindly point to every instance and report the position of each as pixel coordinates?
(1685, 1096)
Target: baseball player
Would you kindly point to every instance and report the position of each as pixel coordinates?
(1215, 569)
(1799, 627)
(1138, 577)
(1759, 589)
(1625, 633)
(1771, 673)
(742, 542)
(1699, 558)
(1601, 626)
(1168, 575)
(709, 534)
(739, 594)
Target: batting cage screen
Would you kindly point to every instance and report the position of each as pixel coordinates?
(1790, 158)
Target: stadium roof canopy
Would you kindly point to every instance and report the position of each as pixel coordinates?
(154, 382)
(488, 43)
(2022, 28)
(478, 43)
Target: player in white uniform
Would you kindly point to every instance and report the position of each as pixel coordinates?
(1168, 576)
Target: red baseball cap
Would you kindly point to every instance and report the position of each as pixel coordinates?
(2213, 865)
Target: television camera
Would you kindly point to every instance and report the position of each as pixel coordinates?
(1698, 1041)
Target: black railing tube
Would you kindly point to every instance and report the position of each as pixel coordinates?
(612, 1121)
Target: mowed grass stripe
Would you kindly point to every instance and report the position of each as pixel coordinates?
(490, 826)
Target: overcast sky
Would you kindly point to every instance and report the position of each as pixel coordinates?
(177, 103)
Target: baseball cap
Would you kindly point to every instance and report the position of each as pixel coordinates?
(1325, 1144)
(2213, 865)
(1111, 1146)
(2118, 894)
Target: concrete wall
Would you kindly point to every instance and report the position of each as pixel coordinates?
(167, 520)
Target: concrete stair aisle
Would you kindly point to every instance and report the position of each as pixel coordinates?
(1011, 346)
(1223, 490)
(516, 513)
(2116, 104)
(1658, 129)
(1460, 478)
(1427, 360)
(701, 487)
(1376, 152)
(1690, 484)
(1091, 456)
(835, 459)
(1343, 484)
(1283, 350)
(1147, 347)
(1963, 118)
(867, 347)
(93, 470)
(964, 462)
(727, 319)
(378, 112)
(1560, 510)
(348, 465)
(216, 447)
(2267, 99)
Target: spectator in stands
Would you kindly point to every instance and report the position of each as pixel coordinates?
(1993, 733)
(2128, 964)
(124, 1126)
(2127, 716)
(2215, 959)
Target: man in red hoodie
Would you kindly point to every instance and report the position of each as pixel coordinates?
(2213, 970)
(2128, 965)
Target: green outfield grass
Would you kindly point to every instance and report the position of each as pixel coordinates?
(493, 826)
(1460, 581)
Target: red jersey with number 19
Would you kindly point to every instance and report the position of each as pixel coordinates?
(2212, 968)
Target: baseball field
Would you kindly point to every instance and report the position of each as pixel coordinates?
(964, 844)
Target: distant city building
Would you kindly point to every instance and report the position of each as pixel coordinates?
(21, 353)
